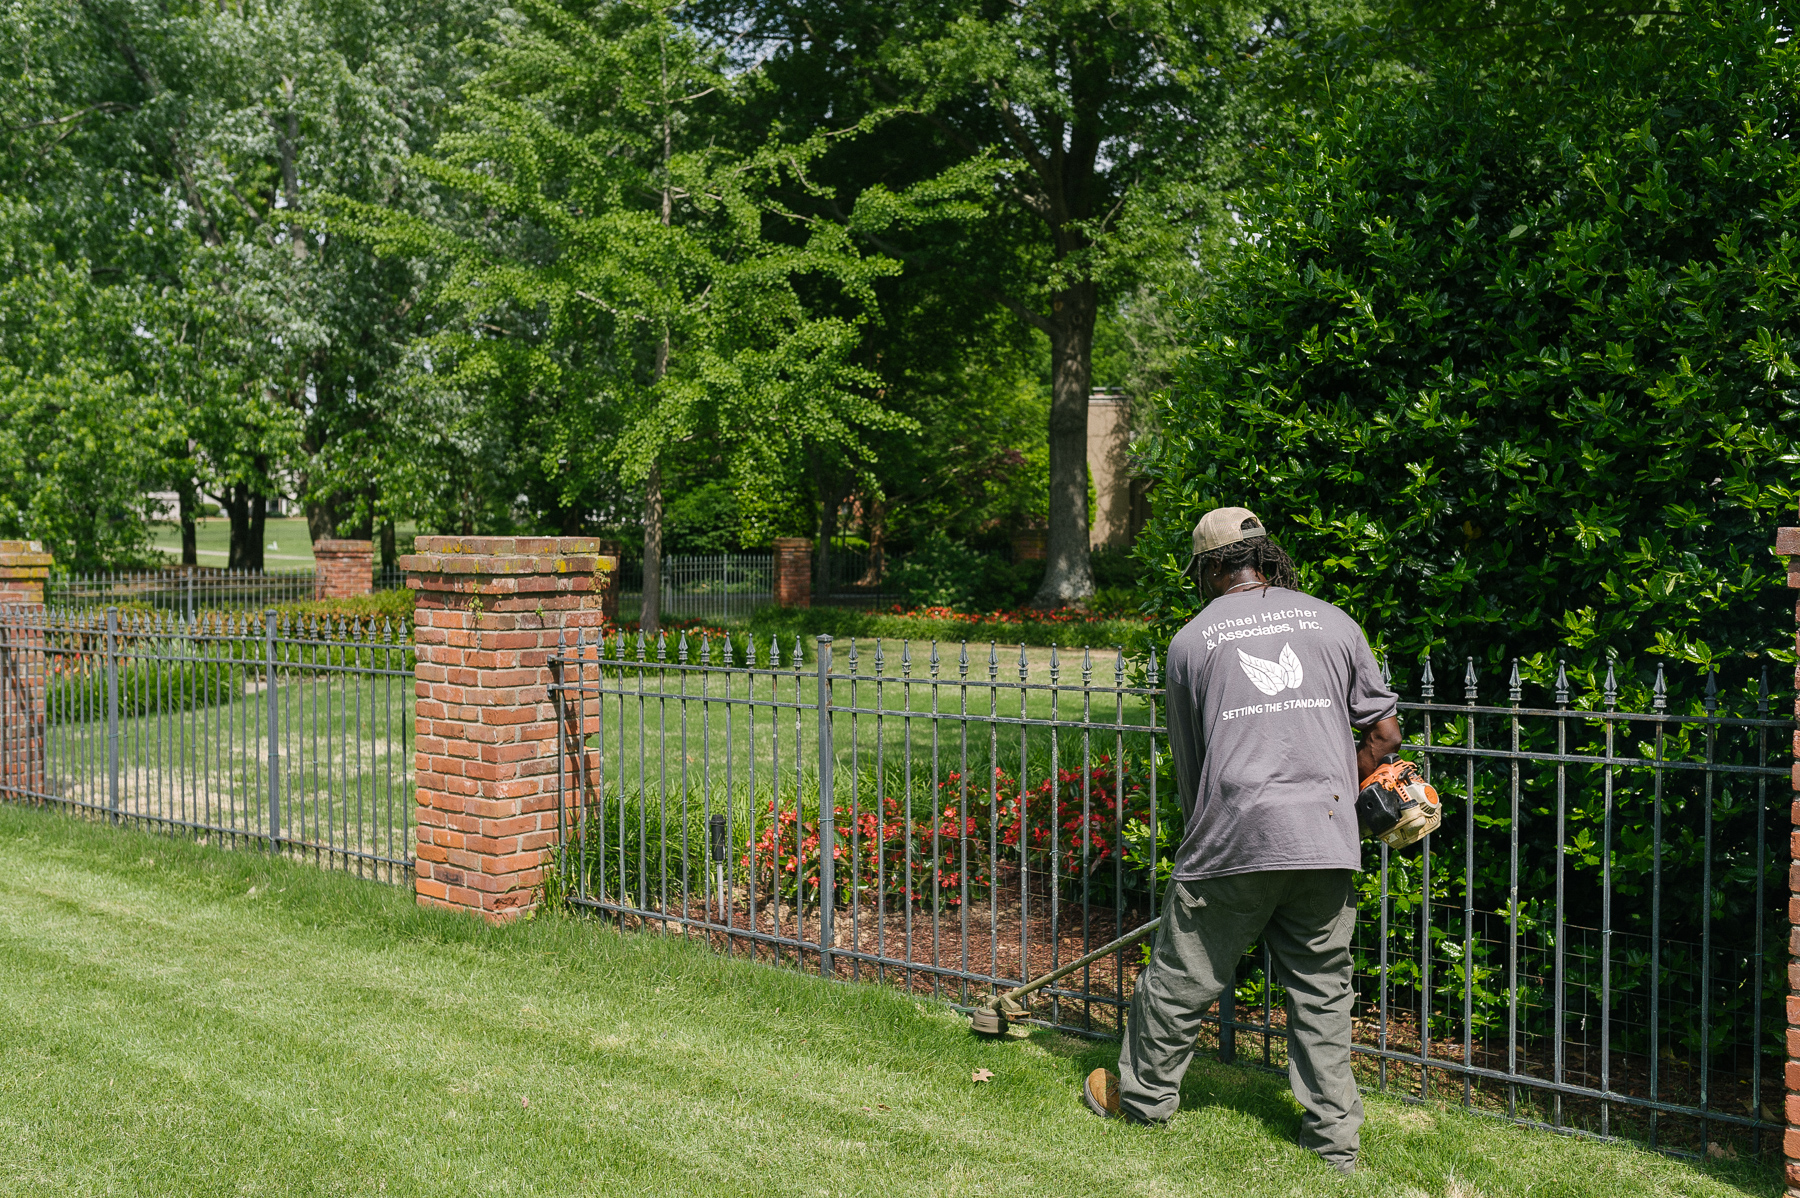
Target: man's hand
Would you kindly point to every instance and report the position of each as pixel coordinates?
(1377, 743)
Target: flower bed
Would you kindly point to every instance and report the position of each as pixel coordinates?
(1070, 825)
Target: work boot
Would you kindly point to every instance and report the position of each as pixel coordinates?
(1101, 1093)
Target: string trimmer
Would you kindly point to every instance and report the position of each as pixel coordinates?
(991, 1020)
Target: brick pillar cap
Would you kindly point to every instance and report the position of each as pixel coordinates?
(780, 542)
(343, 545)
(24, 553)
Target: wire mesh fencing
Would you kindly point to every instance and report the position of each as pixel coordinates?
(186, 591)
(1591, 942)
(292, 736)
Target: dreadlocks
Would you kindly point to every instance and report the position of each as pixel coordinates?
(1261, 554)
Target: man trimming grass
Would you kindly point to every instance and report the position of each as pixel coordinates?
(1268, 769)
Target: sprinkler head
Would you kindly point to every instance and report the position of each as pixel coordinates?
(985, 1021)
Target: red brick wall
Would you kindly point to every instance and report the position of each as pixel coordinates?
(1787, 541)
(793, 572)
(344, 569)
(488, 617)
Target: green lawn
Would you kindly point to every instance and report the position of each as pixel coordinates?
(182, 1020)
(286, 543)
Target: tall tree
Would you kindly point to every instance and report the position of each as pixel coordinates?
(1074, 150)
(612, 265)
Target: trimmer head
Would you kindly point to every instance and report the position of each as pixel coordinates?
(985, 1021)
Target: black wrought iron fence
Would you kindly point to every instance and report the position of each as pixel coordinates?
(186, 590)
(707, 586)
(294, 736)
(1586, 944)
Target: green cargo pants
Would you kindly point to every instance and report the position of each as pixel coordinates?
(1306, 917)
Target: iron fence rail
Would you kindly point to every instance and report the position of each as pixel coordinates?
(1583, 945)
(186, 590)
(294, 735)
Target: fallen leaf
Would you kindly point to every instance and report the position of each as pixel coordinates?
(981, 1075)
(524, 1102)
(1719, 1152)
(881, 1106)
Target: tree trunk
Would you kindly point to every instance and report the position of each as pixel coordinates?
(235, 499)
(875, 523)
(259, 513)
(650, 618)
(288, 139)
(189, 514)
(321, 520)
(1067, 576)
(390, 555)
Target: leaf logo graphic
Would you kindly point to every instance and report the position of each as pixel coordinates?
(1273, 677)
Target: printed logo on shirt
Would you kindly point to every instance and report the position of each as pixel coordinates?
(1273, 677)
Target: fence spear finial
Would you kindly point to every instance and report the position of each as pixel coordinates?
(1712, 689)
(681, 652)
(1150, 676)
(962, 662)
(1469, 682)
(1762, 692)
(1562, 682)
(1612, 687)
(1514, 686)
(1427, 680)
(1659, 691)
(1024, 666)
(799, 656)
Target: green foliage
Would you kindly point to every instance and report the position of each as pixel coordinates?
(79, 434)
(1064, 628)
(145, 686)
(611, 291)
(940, 572)
(395, 605)
(1506, 359)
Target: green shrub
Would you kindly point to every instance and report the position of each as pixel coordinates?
(145, 688)
(382, 605)
(1506, 361)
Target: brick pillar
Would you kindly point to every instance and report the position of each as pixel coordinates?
(488, 614)
(793, 572)
(24, 568)
(1787, 541)
(344, 569)
(608, 583)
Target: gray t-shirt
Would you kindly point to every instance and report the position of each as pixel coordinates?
(1264, 688)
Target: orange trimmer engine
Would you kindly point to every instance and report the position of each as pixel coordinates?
(1397, 806)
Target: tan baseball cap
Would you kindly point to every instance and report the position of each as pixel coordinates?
(1226, 526)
